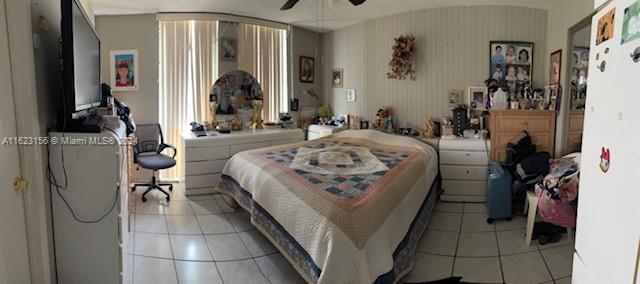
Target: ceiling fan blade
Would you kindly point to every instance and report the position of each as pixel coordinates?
(289, 4)
(357, 2)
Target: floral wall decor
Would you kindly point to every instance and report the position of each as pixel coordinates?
(401, 63)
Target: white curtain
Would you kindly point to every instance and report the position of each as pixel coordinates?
(188, 68)
(263, 52)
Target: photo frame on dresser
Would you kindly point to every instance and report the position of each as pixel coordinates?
(511, 63)
(478, 97)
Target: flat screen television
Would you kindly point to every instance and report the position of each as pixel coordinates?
(81, 88)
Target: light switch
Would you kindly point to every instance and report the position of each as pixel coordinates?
(350, 95)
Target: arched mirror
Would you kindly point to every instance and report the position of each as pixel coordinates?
(234, 93)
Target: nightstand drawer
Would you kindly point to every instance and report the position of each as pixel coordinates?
(464, 172)
(464, 187)
(464, 158)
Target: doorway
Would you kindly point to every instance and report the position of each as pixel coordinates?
(14, 254)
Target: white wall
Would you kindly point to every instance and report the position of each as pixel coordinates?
(138, 32)
(141, 32)
(306, 43)
(563, 15)
(452, 52)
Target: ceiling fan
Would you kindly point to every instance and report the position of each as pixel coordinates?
(291, 3)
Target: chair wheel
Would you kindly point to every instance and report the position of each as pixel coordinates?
(509, 219)
(133, 188)
(168, 198)
(144, 199)
(489, 220)
(171, 188)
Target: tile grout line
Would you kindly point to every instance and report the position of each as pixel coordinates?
(499, 256)
(545, 264)
(166, 223)
(206, 243)
(247, 248)
(205, 261)
(455, 254)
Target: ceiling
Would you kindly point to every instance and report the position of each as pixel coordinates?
(337, 13)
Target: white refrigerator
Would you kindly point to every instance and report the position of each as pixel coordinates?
(608, 225)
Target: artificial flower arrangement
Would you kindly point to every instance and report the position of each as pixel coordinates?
(401, 63)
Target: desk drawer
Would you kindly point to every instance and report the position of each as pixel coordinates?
(207, 153)
(531, 124)
(196, 181)
(477, 173)
(283, 142)
(205, 167)
(464, 187)
(464, 158)
(249, 146)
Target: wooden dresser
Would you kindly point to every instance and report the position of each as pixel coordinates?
(506, 126)
(574, 133)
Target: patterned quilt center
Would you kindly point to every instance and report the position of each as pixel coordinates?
(343, 169)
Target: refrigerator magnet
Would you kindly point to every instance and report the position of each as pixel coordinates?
(631, 23)
(605, 27)
(605, 160)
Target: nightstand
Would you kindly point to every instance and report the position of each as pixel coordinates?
(463, 167)
(316, 131)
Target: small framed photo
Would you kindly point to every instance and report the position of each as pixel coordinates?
(307, 69)
(478, 98)
(228, 49)
(124, 70)
(555, 65)
(337, 77)
(454, 97)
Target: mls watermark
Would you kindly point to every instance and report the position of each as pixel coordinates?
(68, 140)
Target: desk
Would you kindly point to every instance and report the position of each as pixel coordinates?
(205, 157)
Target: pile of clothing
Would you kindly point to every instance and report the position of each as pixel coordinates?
(556, 183)
(558, 192)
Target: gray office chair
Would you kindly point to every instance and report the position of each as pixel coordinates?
(147, 154)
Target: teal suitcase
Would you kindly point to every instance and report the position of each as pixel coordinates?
(498, 193)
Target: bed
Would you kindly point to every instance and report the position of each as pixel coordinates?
(347, 208)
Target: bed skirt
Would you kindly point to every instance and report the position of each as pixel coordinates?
(302, 261)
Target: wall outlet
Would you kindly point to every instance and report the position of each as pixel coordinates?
(350, 95)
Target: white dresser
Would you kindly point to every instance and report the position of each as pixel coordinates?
(205, 157)
(92, 248)
(463, 166)
(316, 131)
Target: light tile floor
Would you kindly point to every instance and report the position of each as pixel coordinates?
(199, 239)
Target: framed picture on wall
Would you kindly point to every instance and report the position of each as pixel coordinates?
(478, 98)
(337, 77)
(228, 49)
(124, 70)
(511, 63)
(307, 69)
(555, 65)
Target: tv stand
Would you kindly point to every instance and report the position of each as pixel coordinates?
(85, 125)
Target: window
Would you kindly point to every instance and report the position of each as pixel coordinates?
(263, 52)
(189, 67)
